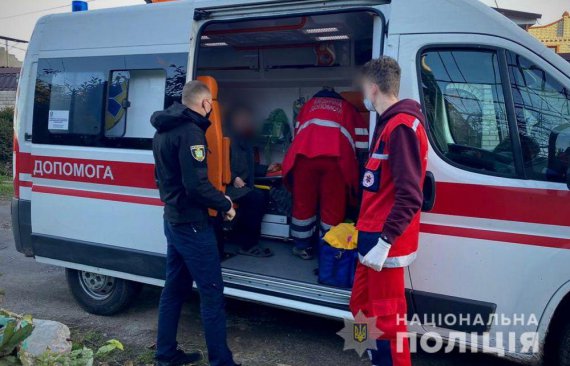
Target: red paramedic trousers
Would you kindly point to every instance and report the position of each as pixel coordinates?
(382, 295)
(317, 183)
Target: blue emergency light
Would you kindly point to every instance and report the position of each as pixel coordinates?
(77, 5)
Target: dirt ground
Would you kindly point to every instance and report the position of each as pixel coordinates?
(258, 335)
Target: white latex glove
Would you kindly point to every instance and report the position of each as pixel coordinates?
(231, 213)
(376, 256)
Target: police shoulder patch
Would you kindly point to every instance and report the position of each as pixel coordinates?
(198, 152)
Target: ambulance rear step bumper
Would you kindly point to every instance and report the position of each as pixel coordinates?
(21, 211)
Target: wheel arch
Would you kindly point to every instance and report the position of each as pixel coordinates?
(552, 319)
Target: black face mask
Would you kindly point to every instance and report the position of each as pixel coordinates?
(207, 115)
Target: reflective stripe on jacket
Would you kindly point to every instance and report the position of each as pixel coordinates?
(328, 125)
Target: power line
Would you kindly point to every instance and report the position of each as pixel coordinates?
(10, 39)
(39, 11)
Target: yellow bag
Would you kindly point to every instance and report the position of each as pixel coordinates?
(343, 236)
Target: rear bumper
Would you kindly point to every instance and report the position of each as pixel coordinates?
(22, 226)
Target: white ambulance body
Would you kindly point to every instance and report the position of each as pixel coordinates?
(495, 245)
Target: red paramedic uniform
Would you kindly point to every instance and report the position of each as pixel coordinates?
(391, 207)
(321, 166)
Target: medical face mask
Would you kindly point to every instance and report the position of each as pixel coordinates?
(207, 116)
(369, 105)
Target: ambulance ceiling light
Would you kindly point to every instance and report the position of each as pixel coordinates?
(320, 30)
(339, 37)
(215, 44)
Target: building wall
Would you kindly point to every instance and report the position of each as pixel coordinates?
(12, 60)
(555, 35)
(7, 98)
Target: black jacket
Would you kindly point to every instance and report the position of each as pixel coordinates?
(180, 152)
(243, 165)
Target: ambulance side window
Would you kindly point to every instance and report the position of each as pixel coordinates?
(542, 108)
(104, 101)
(465, 106)
(132, 97)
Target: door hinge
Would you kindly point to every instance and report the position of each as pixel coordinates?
(200, 14)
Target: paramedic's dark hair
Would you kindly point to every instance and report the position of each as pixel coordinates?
(193, 90)
(384, 72)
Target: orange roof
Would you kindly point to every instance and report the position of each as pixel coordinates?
(566, 14)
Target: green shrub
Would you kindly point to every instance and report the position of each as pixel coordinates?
(6, 138)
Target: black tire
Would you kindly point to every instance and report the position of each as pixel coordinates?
(564, 349)
(99, 294)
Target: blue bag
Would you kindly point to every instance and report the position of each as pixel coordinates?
(337, 266)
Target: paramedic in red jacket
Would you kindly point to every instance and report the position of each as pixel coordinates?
(389, 221)
(321, 166)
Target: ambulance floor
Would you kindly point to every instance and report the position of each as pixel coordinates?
(283, 264)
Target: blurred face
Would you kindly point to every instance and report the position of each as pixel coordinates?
(370, 90)
(242, 123)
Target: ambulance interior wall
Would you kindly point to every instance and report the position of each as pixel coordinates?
(274, 75)
(264, 100)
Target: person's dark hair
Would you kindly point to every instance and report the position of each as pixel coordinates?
(384, 72)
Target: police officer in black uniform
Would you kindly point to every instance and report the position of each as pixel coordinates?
(180, 149)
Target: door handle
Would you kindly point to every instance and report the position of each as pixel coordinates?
(429, 192)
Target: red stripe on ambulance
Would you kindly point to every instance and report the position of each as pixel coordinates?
(542, 241)
(98, 195)
(117, 173)
(540, 206)
(531, 205)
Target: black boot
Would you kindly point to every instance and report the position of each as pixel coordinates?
(181, 359)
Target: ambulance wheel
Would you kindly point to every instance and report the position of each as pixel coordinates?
(99, 294)
(564, 349)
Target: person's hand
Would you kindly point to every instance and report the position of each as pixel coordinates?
(230, 215)
(376, 257)
(273, 167)
(239, 183)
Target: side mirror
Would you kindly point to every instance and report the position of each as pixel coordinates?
(429, 192)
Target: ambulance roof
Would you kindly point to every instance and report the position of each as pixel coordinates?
(170, 23)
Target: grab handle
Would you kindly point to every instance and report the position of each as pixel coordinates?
(429, 192)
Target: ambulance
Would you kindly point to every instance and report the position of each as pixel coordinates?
(495, 232)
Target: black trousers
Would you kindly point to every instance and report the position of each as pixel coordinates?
(250, 211)
(191, 256)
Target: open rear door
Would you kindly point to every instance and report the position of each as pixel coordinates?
(213, 19)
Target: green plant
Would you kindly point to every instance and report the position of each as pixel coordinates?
(6, 139)
(78, 357)
(13, 330)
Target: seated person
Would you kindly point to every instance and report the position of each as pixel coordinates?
(252, 202)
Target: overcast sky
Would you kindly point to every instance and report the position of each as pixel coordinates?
(17, 17)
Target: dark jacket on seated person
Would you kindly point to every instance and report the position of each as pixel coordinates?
(243, 165)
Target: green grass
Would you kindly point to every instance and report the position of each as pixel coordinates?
(6, 187)
(132, 355)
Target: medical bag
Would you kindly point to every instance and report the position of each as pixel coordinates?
(338, 256)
